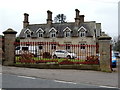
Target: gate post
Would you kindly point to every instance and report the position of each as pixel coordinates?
(9, 48)
(104, 51)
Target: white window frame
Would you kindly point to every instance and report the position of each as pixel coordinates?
(40, 34)
(27, 32)
(52, 34)
(40, 31)
(82, 33)
(67, 34)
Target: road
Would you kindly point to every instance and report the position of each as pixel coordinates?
(17, 81)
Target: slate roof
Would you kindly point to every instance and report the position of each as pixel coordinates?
(89, 26)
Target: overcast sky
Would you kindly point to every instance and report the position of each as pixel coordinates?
(101, 11)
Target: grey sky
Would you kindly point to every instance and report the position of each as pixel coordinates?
(101, 11)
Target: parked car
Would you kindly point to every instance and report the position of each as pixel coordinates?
(115, 59)
(117, 54)
(29, 49)
(63, 54)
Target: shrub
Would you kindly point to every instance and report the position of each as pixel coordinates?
(92, 58)
(66, 62)
(26, 56)
(47, 55)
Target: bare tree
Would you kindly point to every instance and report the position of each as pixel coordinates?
(116, 45)
(60, 18)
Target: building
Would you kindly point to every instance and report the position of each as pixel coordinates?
(78, 32)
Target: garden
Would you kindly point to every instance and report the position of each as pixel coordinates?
(28, 58)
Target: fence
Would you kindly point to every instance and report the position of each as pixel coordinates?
(55, 53)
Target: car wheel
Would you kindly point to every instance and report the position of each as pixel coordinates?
(69, 57)
(54, 56)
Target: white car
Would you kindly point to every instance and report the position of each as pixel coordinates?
(63, 54)
(29, 49)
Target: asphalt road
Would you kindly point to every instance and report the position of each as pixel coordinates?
(16, 81)
(78, 76)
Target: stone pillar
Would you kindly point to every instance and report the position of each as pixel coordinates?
(9, 39)
(104, 51)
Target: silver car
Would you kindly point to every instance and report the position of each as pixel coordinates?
(63, 54)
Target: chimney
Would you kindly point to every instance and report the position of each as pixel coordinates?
(77, 18)
(81, 18)
(49, 17)
(25, 22)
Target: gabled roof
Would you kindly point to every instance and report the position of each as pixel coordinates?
(67, 29)
(52, 29)
(39, 30)
(60, 28)
(82, 28)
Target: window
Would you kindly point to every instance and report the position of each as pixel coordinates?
(67, 46)
(67, 34)
(82, 46)
(53, 46)
(28, 34)
(40, 34)
(52, 34)
(82, 33)
(40, 47)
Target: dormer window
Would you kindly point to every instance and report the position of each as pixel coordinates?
(82, 31)
(28, 33)
(67, 32)
(52, 32)
(39, 32)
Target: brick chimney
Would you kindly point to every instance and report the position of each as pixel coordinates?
(81, 18)
(77, 18)
(26, 21)
(49, 17)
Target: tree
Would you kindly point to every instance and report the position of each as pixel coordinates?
(116, 47)
(60, 18)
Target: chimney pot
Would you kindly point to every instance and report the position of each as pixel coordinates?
(77, 18)
(26, 20)
(81, 18)
(49, 17)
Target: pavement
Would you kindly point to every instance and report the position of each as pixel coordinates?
(76, 76)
